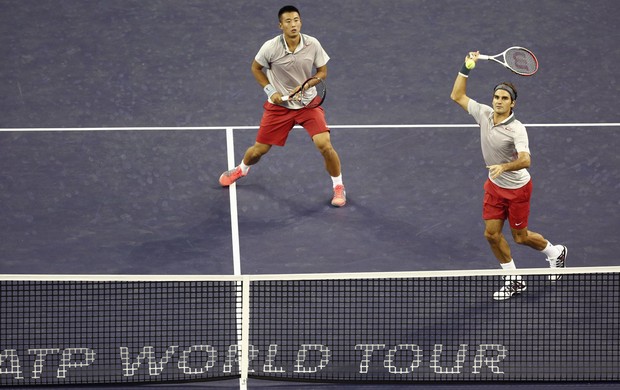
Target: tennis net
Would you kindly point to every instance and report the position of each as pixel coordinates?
(413, 326)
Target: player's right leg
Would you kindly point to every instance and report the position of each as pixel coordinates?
(513, 284)
(276, 123)
(252, 156)
(494, 236)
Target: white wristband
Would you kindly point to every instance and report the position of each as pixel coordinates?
(269, 90)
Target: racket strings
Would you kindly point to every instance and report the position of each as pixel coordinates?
(521, 61)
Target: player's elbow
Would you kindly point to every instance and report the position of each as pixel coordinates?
(460, 99)
(256, 67)
(525, 160)
(456, 97)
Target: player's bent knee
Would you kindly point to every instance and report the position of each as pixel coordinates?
(520, 238)
(326, 149)
(492, 237)
(258, 150)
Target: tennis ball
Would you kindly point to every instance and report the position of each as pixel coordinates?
(470, 64)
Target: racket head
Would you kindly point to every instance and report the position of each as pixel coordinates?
(313, 92)
(521, 61)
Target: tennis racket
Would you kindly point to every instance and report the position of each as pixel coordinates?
(518, 59)
(311, 94)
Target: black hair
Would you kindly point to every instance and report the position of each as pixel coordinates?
(288, 8)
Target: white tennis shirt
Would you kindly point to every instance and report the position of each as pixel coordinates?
(501, 143)
(287, 70)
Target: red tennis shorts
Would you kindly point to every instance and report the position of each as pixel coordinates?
(503, 203)
(278, 121)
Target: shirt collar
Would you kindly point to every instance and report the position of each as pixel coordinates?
(506, 121)
(299, 47)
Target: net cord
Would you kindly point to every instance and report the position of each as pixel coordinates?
(310, 276)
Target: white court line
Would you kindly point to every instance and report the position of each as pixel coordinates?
(360, 126)
(242, 303)
(433, 126)
(234, 224)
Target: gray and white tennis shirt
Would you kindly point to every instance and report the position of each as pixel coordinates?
(501, 143)
(287, 70)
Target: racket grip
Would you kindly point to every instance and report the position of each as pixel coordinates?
(483, 57)
(285, 98)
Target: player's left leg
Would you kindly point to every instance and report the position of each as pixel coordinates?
(313, 120)
(556, 254)
(518, 215)
(529, 238)
(322, 141)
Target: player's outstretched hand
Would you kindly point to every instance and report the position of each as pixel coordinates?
(473, 55)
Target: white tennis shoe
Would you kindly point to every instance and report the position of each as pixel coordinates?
(509, 289)
(558, 262)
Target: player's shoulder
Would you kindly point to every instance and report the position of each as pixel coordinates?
(272, 47)
(517, 124)
(275, 41)
(473, 104)
(483, 106)
(310, 40)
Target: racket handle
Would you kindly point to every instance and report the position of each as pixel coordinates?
(285, 98)
(483, 57)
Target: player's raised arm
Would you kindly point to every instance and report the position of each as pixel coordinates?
(459, 90)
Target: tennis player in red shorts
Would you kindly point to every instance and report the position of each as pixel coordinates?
(280, 67)
(508, 189)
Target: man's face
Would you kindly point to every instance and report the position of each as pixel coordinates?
(290, 24)
(502, 102)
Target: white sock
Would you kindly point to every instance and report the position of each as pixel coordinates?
(337, 180)
(244, 168)
(551, 251)
(510, 265)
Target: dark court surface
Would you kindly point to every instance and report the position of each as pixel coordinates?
(126, 201)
